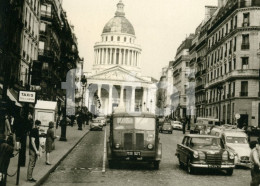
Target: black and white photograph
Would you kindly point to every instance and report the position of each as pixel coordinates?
(130, 92)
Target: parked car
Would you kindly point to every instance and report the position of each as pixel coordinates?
(200, 128)
(96, 124)
(204, 151)
(102, 120)
(166, 127)
(176, 125)
(236, 140)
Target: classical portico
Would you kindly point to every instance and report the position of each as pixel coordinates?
(116, 77)
(118, 87)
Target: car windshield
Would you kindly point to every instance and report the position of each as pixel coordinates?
(240, 140)
(203, 142)
(145, 123)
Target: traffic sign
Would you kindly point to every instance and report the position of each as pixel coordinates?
(237, 116)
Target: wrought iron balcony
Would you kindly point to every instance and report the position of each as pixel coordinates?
(245, 46)
(243, 93)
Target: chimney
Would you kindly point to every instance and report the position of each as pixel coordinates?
(209, 11)
(220, 3)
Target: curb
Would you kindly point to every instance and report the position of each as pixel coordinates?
(45, 177)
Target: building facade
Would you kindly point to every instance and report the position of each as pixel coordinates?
(57, 53)
(29, 38)
(116, 79)
(181, 77)
(232, 85)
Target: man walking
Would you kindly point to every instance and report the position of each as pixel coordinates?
(255, 170)
(33, 150)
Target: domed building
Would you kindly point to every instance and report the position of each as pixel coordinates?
(116, 76)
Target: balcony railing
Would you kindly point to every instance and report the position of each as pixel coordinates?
(245, 46)
(245, 24)
(243, 93)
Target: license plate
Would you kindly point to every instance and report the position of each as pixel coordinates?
(214, 166)
(131, 153)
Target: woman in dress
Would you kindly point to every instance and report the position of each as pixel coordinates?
(49, 142)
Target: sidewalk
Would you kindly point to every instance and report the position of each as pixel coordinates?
(41, 170)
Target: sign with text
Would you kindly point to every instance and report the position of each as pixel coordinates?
(27, 97)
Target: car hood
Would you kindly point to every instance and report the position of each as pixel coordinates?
(240, 149)
(208, 150)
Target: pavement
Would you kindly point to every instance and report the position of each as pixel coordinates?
(41, 170)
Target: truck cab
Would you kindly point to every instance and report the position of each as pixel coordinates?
(134, 137)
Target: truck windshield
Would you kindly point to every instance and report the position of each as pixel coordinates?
(145, 123)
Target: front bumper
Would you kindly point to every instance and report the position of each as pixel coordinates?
(96, 127)
(145, 155)
(223, 166)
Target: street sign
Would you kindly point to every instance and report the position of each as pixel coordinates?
(27, 97)
(237, 116)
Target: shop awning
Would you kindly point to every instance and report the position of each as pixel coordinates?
(13, 95)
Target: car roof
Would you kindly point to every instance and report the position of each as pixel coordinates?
(200, 136)
(134, 114)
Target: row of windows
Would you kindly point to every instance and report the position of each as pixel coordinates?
(31, 22)
(118, 38)
(227, 92)
(29, 50)
(228, 67)
(232, 24)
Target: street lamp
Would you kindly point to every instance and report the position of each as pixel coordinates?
(219, 89)
(83, 84)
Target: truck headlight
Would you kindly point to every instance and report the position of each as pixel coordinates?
(117, 146)
(150, 146)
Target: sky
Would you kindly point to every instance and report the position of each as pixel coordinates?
(160, 27)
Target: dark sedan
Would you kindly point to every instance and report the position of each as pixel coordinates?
(166, 127)
(204, 151)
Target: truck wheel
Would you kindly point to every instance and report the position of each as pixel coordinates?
(110, 164)
(156, 165)
(229, 172)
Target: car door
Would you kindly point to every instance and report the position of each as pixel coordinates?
(181, 149)
(186, 150)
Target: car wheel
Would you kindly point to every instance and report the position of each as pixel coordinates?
(229, 172)
(111, 164)
(171, 132)
(190, 169)
(156, 165)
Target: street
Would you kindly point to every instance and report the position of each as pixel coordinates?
(84, 164)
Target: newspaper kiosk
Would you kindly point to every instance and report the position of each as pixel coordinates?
(45, 111)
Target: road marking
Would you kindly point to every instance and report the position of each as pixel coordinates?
(105, 152)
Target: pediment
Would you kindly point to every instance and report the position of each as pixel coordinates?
(117, 74)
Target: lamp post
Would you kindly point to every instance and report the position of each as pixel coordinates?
(83, 84)
(219, 89)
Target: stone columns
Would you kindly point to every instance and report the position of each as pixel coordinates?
(132, 60)
(120, 57)
(99, 91)
(121, 104)
(124, 53)
(144, 99)
(133, 99)
(114, 56)
(110, 57)
(128, 57)
(110, 99)
(105, 62)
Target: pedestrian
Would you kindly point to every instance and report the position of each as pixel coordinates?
(6, 152)
(49, 142)
(79, 121)
(34, 145)
(12, 123)
(7, 127)
(183, 125)
(255, 160)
